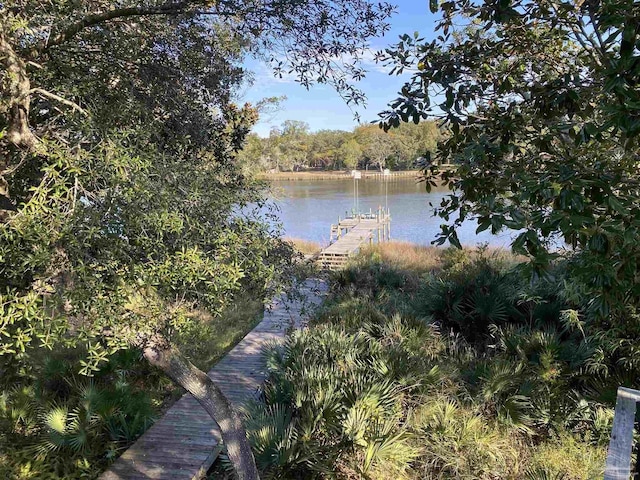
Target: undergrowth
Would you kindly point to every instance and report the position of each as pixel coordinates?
(57, 424)
(457, 366)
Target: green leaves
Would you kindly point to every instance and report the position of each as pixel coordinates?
(335, 397)
(543, 123)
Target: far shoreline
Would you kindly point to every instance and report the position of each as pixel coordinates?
(336, 175)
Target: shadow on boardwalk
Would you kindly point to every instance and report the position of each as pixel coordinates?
(183, 444)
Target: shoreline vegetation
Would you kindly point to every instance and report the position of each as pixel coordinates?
(293, 147)
(443, 321)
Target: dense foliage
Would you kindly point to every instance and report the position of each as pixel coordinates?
(123, 212)
(454, 367)
(55, 423)
(64, 425)
(542, 102)
(292, 147)
(127, 219)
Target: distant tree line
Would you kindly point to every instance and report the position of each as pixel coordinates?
(292, 147)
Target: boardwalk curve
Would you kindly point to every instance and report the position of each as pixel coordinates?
(183, 444)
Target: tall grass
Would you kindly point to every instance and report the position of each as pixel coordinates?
(306, 247)
(417, 259)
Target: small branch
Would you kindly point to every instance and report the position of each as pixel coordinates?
(59, 99)
(9, 171)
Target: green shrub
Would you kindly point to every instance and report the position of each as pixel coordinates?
(534, 378)
(470, 371)
(480, 289)
(348, 311)
(63, 425)
(469, 300)
(335, 402)
(459, 443)
(568, 457)
(369, 275)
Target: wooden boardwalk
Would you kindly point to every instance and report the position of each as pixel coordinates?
(359, 230)
(183, 444)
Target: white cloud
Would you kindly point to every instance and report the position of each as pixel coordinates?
(263, 73)
(368, 61)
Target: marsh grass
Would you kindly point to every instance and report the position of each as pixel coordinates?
(409, 257)
(305, 247)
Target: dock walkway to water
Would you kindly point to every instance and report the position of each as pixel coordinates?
(184, 443)
(351, 233)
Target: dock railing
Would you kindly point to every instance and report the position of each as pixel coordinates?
(353, 218)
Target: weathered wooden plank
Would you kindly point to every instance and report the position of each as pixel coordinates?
(115, 474)
(169, 449)
(148, 472)
(185, 428)
(618, 466)
(165, 446)
(185, 441)
(147, 445)
(179, 458)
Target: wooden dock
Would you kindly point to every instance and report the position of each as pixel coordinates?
(183, 444)
(351, 233)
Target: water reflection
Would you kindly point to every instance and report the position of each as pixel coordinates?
(308, 208)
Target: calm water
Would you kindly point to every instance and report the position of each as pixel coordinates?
(308, 208)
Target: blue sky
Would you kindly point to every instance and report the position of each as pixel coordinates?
(320, 106)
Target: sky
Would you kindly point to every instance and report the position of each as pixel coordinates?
(320, 106)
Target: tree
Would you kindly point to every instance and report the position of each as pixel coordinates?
(254, 156)
(118, 183)
(416, 141)
(293, 144)
(543, 109)
(324, 148)
(300, 37)
(350, 153)
(377, 145)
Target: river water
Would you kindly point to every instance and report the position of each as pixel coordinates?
(308, 208)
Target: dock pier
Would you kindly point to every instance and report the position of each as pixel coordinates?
(351, 233)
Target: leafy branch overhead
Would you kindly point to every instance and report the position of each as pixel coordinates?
(542, 104)
(318, 41)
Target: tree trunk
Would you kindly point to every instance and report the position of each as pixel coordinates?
(162, 355)
(16, 92)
